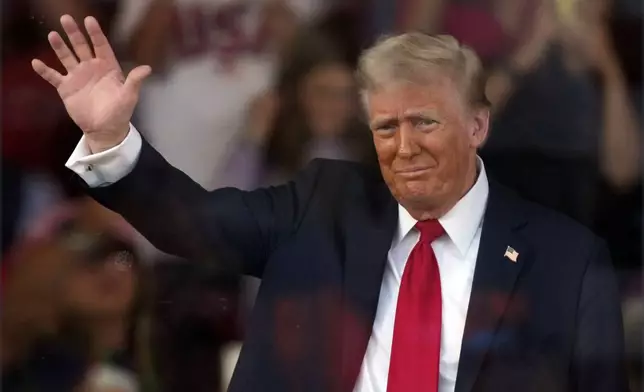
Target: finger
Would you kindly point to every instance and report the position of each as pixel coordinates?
(63, 52)
(102, 47)
(136, 77)
(49, 74)
(76, 37)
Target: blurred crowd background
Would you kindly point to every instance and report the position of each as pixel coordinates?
(246, 92)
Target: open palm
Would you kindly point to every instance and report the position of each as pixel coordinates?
(96, 95)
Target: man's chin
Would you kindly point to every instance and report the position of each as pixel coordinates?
(416, 188)
(414, 196)
(418, 194)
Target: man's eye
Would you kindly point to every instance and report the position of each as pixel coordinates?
(425, 122)
(385, 129)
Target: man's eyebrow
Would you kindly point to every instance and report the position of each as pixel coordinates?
(379, 121)
(383, 120)
(420, 113)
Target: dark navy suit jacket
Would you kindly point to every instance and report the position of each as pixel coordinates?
(549, 322)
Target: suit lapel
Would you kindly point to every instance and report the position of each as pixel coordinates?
(368, 230)
(495, 276)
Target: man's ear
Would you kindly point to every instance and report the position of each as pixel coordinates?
(479, 127)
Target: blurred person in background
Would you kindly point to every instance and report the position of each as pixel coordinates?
(563, 117)
(75, 307)
(620, 209)
(210, 58)
(311, 113)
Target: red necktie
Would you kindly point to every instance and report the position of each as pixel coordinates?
(415, 352)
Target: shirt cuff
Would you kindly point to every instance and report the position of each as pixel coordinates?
(109, 166)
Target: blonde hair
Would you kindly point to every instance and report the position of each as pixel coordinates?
(416, 58)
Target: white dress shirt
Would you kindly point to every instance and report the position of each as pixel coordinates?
(456, 255)
(455, 252)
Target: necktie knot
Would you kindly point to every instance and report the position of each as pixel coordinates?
(430, 230)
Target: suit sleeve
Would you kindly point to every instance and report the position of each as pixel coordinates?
(599, 363)
(236, 229)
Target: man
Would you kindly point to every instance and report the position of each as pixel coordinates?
(423, 277)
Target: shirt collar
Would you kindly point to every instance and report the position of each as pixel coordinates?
(462, 221)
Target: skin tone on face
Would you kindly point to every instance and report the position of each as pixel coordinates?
(426, 138)
(327, 96)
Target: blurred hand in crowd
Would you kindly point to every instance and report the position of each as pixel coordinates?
(587, 36)
(530, 51)
(540, 35)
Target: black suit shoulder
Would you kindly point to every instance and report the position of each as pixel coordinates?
(572, 286)
(548, 220)
(554, 224)
(550, 233)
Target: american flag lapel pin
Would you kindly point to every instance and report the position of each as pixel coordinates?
(511, 254)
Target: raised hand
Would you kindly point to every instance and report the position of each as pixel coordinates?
(96, 95)
(541, 34)
(590, 40)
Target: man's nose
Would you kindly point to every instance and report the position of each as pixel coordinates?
(407, 143)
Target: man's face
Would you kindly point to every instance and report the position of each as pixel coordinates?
(426, 138)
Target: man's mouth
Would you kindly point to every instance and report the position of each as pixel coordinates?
(412, 171)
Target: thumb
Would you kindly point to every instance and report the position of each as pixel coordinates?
(136, 77)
